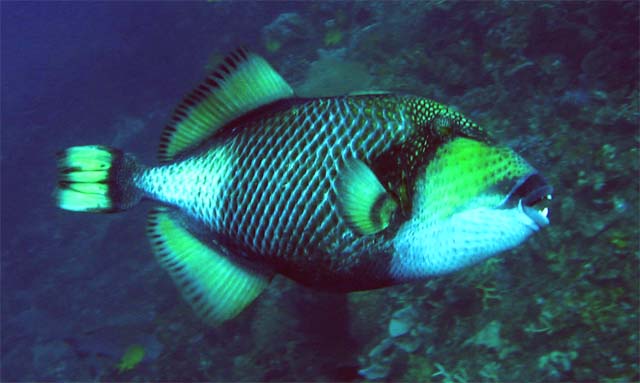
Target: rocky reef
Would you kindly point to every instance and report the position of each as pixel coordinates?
(558, 82)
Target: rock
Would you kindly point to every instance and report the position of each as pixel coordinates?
(379, 351)
(398, 327)
(557, 363)
(408, 342)
(489, 336)
(402, 321)
(567, 208)
(287, 29)
(374, 372)
(330, 75)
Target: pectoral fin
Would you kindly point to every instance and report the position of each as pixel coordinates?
(363, 202)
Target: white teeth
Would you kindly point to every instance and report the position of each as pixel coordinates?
(545, 211)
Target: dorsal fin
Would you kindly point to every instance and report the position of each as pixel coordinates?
(243, 82)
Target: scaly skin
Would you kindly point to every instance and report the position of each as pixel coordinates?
(265, 186)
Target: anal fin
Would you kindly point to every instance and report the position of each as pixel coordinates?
(217, 287)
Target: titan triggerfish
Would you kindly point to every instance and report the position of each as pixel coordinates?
(344, 193)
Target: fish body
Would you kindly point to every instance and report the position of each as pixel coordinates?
(272, 197)
(340, 193)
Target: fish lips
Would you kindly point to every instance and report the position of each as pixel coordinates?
(531, 190)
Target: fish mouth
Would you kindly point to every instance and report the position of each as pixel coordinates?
(532, 194)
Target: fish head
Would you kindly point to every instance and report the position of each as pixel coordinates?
(471, 201)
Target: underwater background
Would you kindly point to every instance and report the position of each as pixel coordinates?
(83, 299)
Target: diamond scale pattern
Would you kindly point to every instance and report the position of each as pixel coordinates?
(269, 188)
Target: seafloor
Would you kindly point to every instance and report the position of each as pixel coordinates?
(558, 81)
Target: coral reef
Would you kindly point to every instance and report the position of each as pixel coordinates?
(571, 288)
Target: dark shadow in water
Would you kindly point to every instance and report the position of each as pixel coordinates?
(327, 345)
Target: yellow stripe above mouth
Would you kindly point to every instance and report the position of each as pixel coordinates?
(462, 171)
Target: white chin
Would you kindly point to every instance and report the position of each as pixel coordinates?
(535, 218)
(468, 237)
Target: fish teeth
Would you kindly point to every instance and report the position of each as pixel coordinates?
(545, 211)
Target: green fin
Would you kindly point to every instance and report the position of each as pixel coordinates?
(243, 82)
(95, 179)
(216, 287)
(364, 203)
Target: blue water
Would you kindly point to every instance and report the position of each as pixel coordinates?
(75, 73)
(558, 82)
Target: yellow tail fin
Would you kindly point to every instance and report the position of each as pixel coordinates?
(95, 179)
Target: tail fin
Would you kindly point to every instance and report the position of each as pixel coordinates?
(96, 179)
